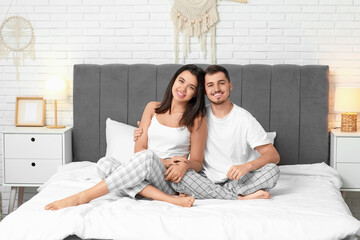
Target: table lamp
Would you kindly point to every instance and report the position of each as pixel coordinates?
(347, 101)
(56, 89)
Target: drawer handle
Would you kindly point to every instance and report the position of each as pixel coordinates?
(33, 139)
(33, 164)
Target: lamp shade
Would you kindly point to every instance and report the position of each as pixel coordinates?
(347, 99)
(56, 88)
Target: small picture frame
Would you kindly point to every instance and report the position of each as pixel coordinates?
(30, 112)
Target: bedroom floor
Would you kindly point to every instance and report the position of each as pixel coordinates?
(352, 199)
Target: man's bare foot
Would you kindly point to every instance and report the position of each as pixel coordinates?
(261, 194)
(183, 201)
(71, 201)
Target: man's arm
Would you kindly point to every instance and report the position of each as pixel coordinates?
(268, 155)
(142, 141)
(137, 132)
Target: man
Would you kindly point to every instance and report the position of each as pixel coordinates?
(228, 173)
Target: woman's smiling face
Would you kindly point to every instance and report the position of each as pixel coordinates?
(184, 87)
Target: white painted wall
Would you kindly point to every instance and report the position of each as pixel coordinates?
(69, 32)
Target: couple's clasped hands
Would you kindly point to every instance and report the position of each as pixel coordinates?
(176, 168)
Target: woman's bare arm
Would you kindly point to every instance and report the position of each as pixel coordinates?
(198, 140)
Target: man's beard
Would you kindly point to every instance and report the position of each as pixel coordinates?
(220, 102)
(217, 103)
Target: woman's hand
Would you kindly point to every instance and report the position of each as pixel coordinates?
(176, 171)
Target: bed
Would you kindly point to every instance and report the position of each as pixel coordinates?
(289, 99)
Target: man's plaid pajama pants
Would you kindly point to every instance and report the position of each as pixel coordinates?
(199, 186)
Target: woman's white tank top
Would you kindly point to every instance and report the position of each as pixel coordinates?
(167, 142)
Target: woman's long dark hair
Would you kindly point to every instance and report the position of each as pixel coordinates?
(196, 105)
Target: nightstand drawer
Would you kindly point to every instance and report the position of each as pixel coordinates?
(33, 146)
(348, 149)
(350, 174)
(29, 171)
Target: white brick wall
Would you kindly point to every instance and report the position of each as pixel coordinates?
(126, 31)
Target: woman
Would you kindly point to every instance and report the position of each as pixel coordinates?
(170, 127)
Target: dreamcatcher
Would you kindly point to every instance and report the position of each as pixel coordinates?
(17, 37)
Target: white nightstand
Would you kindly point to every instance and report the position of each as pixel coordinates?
(31, 155)
(345, 158)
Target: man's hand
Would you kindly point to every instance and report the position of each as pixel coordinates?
(237, 171)
(137, 132)
(175, 160)
(176, 172)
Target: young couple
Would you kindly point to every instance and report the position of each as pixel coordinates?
(182, 146)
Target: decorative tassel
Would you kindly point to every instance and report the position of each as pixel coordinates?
(175, 19)
(213, 45)
(176, 46)
(204, 27)
(197, 31)
(203, 44)
(187, 45)
(184, 47)
(181, 24)
(190, 28)
(212, 17)
(16, 59)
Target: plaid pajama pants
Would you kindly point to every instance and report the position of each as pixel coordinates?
(128, 179)
(199, 186)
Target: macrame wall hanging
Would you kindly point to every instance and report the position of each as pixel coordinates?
(195, 18)
(17, 38)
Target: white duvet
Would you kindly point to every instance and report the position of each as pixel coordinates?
(305, 204)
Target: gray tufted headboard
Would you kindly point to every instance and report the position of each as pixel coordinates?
(289, 99)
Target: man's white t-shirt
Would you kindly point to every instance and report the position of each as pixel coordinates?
(230, 140)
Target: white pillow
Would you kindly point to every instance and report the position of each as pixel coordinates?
(119, 140)
(271, 136)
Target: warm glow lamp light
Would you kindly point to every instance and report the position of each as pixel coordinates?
(347, 101)
(56, 89)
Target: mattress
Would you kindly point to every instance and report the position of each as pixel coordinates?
(306, 204)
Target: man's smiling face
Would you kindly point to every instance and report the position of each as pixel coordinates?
(217, 88)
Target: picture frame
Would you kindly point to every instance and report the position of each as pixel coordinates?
(30, 112)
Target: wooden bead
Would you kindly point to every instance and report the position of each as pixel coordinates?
(178, 14)
(200, 20)
(185, 19)
(192, 21)
(206, 15)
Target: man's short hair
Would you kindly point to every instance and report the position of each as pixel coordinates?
(212, 69)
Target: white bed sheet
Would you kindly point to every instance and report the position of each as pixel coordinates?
(305, 204)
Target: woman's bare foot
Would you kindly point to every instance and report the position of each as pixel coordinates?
(183, 195)
(183, 201)
(261, 194)
(71, 201)
(86, 196)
